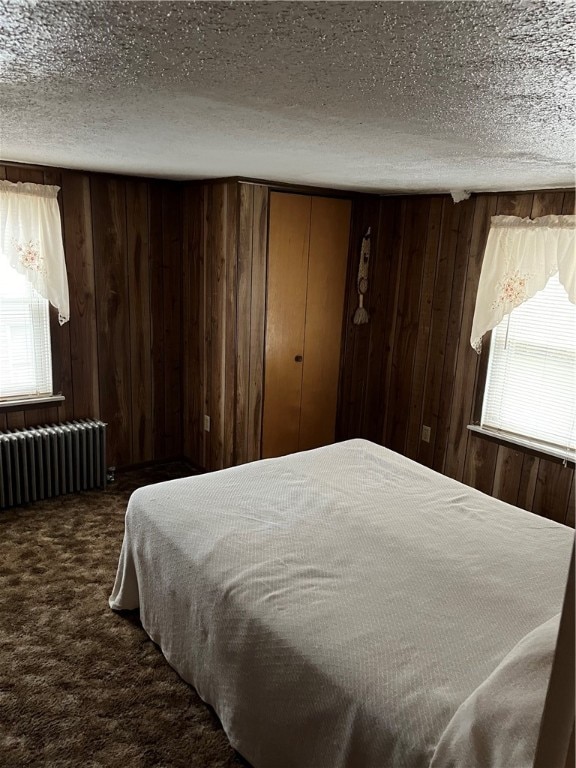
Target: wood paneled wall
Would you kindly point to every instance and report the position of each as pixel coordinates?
(412, 365)
(119, 358)
(168, 295)
(224, 289)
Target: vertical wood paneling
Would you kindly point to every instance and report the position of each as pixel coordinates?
(15, 419)
(480, 464)
(507, 474)
(217, 268)
(252, 202)
(432, 380)
(113, 273)
(157, 321)
(378, 300)
(230, 327)
(60, 334)
(207, 338)
(172, 325)
(193, 325)
(528, 476)
(552, 493)
(453, 332)
(394, 279)
(138, 247)
(424, 327)
(151, 358)
(80, 266)
(356, 338)
(111, 281)
(571, 509)
(443, 288)
(243, 318)
(257, 321)
(408, 307)
(568, 204)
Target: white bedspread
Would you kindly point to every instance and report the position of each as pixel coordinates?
(349, 607)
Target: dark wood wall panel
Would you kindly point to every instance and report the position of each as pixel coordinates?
(243, 320)
(413, 365)
(364, 345)
(424, 327)
(82, 358)
(138, 251)
(231, 432)
(225, 230)
(157, 322)
(119, 357)
(438, 349)
(216, 265)
(111, 281)
(384, 294)
(406, 322)
(171, 331)
(256, 341)
(194, 337)
(168, 300)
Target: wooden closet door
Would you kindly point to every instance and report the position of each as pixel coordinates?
(289, 235)
(327, 263)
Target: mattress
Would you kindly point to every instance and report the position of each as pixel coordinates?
(348, 608)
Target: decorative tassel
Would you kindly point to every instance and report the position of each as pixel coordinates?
(361, 315)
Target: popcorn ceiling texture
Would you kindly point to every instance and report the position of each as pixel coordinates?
(390, 96)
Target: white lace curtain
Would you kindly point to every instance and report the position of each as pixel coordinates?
(31, 240)
(521, 255)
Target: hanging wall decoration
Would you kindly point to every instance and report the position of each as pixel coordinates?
(361, 315)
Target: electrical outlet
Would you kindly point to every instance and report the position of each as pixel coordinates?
(426, 433)
(206, 423)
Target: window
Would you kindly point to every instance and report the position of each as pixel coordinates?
(530, 388)
(32, 273)
(25, 356)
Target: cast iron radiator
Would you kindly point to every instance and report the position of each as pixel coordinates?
(42, 462)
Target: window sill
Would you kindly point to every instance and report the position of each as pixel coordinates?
(31, 402)
(525, 443)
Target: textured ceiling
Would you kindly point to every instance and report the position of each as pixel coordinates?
(376, 96)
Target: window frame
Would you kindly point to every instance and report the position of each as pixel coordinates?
(539, 449)
(56, 398)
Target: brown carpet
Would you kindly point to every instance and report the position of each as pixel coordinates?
(81, 685)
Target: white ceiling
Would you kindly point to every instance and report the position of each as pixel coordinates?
(386, 96)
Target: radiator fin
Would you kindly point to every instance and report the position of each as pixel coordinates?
(51, 460)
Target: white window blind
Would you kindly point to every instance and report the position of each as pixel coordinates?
(531, 380)
(25, 355)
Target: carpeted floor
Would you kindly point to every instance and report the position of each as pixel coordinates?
(81, 685)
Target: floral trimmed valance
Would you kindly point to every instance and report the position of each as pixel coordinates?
(31, 240)
(520, 256)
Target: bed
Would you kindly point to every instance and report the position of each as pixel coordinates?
(349, 608)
